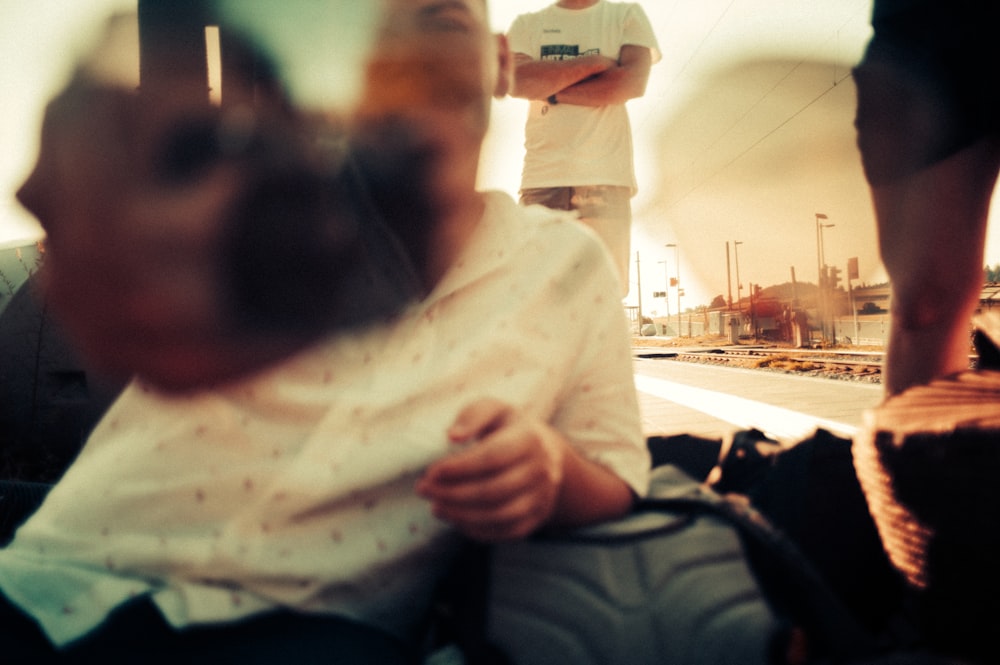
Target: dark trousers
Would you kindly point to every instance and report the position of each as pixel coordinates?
(137, 633)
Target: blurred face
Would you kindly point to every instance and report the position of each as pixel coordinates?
(96, 176)
(133, 196)
(168, 217)
(142, 194)
(435, 64)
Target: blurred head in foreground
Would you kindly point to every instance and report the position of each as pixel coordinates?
(193, 236)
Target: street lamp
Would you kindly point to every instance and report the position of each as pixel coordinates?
(677, 257)
(820, 263)
(739, 286)
(729, 282)
(820, 258)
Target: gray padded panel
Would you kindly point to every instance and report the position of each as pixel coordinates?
(684, 597)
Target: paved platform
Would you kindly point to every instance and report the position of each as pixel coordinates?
(681, 397)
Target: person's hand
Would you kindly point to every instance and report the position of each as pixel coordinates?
(507, 480)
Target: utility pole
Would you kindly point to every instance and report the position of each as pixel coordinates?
(739, 285)
(638, 287)
(823, 305)
(729, 279)
(853, 274)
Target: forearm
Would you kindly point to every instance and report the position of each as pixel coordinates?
(590, 493)
(538, 79)
(616, 85)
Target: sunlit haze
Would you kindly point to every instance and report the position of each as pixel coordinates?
(744, 134)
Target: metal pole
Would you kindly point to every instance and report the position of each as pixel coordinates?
(852, 274)
(638, 288)
(821, 292)
(677, 251)
(795, 289)
(819, 251)
(827, 288)
(739, 286)
(822, 244)
(729, 280)
(854, 310)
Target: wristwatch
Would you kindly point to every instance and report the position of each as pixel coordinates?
(552, 99)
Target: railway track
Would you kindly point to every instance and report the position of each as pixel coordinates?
(827, 363)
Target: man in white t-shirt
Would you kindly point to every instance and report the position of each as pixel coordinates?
(579, 62)
(333, 483)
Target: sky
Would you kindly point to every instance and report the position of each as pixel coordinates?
(744, 134)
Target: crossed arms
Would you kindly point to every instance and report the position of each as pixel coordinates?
(590, 80)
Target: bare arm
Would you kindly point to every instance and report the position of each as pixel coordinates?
(616, 85)
(590, 493)
(537, 79)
